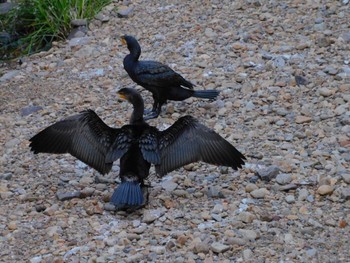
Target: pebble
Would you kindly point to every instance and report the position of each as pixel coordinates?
(302, 119)
(12, 226)
(290, 199)
(345, 193)
(268, 173)
(124, 11)
(246, 217)
(248, 234)
(250, 187)
(283, 178)
(151, 215)
(346, 177)
(79, 22)
(63, 196)
(247, 254)
(303, 194)
(30, 109)
(259, 193)
(325, 190)
(325, 92)
(219, 247)
(169, 185)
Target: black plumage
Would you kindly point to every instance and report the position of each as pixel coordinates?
(137, 145)
(163, 82)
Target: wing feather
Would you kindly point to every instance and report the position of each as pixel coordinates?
(188, 141)
(148, 143)
(85, 136)
(153, 73)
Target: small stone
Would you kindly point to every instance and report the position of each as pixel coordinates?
(302, 119)
(151, 215)
(201, 247)
(247, 254)
(30, 109)
(36, 259)
(303, 194)
(237, 241)
(346, 178)
(124, 11)
(102, 17)
(246, 217)
(12, 226)
(248, 234)
(259, 193)
(79, 22)
(62, 196)
(219, 247)
(213, 192)
(87, 191)
(300, 80)
(325, 190)
(311, 253)
(325, 92)
(9, 75)
(290, 199)
(218, 208)
(133, 236)
(109, 207)
(209, 32)
(51, 210)
(169, 185)
(345, 193)
(288, 238)
(250, 187)
(6, 176)
(158, 249)
(12, 143)
(283, 178)
(268, 173)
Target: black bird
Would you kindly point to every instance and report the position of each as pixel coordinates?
(163, 82)
(138, 145)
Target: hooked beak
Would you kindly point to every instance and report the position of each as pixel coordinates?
(122, 38)
(121, 97)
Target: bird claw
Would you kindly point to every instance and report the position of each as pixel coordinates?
(151, 115)
(147, 111)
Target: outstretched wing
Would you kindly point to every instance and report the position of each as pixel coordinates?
(84, 136)
(188, 141)
(153, 73)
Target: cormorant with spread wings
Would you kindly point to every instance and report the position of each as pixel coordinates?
(137, 145)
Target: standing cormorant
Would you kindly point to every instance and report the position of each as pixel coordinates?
(163, 82)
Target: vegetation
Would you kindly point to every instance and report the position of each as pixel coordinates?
(32, 25)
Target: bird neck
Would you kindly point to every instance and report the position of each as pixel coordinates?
(135, 51)
(137, 114)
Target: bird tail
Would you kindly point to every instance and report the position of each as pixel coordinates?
(206, 94)
(128, 194)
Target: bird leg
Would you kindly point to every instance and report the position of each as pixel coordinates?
(154, 113)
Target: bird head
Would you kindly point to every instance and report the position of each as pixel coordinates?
(128, 94)
(130, 42)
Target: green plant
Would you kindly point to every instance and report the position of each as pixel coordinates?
(34, 24)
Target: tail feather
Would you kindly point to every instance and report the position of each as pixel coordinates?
(127, 194)
(206, 94)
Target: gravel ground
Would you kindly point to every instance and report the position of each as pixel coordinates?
(283, 71)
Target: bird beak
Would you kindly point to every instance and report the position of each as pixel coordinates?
(122, 96)
(123, 41)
